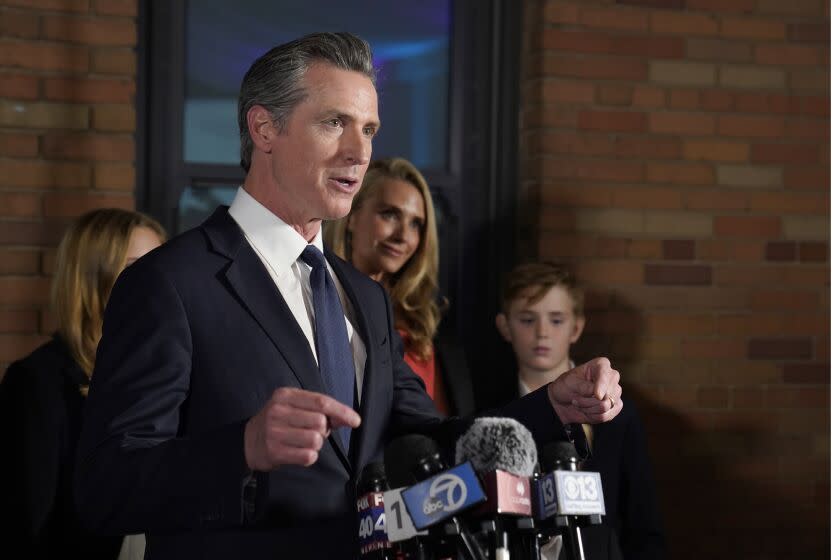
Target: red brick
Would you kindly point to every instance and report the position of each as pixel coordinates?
(685, 99)
(807, 178)
(715, 348)
(785, 153)
(85, 90)
(816, 105)
(613, 18)
(781, 251)
(682, 123)
(51, 5)
(648, 96)
(603, 43)
(751, 126)
(591, 67)
(43, 56)
(716, 100)
(750, 28)
(619, 121)
(790, 203)
(796, 397)
(560, 12)
(115, 118)
(706, 199)
(24, 290)
(808, 80)
(550, 116)
(602, 170)
(18, 145)
(558, 245)
(807, 373)
(562, 91)
(678, 249)
(18, 321)
(113, 61)
(18, 261)
(791, 55)
(98, 147)
(43, 174)
(575, 196)
(23, 25)
(681, 173)
(670, 324)
(816, 251)
(609, 273)
(784, 301)
(568, 142)
(615, 95)
(90, 31)
(748, 226)
(644, 249)
(648, 147)
(809, 32)
(114, 176)
(713, 397)
(683, 23)
(116, 7)
(780, 349)
(31, 233)
(672, 4)
(19, 205)
(71, 205)
(809, 129)
(722, 6)
(799, 8)
(678, 275)
(18, 86)
(716, 150)
(650, 198)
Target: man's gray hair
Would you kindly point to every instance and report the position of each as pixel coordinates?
(274, 79)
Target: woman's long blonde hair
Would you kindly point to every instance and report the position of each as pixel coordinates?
(414, 288)
(91, 255)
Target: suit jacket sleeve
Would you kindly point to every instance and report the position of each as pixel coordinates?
(135, 470)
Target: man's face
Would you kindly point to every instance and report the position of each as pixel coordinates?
(541, 332)
(318, 161)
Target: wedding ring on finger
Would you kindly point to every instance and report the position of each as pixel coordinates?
(612, 401)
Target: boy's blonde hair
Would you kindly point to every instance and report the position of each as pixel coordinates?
(534, 279)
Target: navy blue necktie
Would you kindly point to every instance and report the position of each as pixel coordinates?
(335, 357)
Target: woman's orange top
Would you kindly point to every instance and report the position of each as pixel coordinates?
(431, 375)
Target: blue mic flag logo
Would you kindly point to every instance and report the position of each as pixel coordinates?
(443, 495)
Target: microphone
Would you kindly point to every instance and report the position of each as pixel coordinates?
(567, 497)
(438, 494)
(504, 453)
(373, 538)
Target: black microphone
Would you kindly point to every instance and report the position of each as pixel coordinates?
(567, 498)
(436, 494)
(503, 452)
(373, 537)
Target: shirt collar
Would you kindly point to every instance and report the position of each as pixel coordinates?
(274, 239)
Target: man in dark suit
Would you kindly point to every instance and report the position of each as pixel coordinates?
(219, 421)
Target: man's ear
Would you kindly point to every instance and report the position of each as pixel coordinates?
(580, 322)
(502, 325)
(261, 127)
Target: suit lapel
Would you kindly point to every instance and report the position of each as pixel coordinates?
(254, 287)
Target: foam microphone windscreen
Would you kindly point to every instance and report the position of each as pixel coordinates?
(498, 443)
(403, 455)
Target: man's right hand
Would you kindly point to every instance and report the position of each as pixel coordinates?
(291, 428)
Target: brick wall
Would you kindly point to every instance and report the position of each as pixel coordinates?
(67, 118)
(675, 152)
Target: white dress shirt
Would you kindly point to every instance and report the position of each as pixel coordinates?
(279, 247)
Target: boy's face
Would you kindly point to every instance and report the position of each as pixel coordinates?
(541, 332)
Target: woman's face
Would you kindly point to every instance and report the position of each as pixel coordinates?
(387, 228)
(142, 241)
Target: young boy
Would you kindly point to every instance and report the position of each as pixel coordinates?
(541, 317)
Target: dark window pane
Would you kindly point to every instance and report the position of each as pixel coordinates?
(197, 203)
(410, 41)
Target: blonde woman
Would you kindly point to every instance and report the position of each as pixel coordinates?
(42, 396)
(390, 234)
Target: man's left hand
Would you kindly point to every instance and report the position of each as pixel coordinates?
(589, 393)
